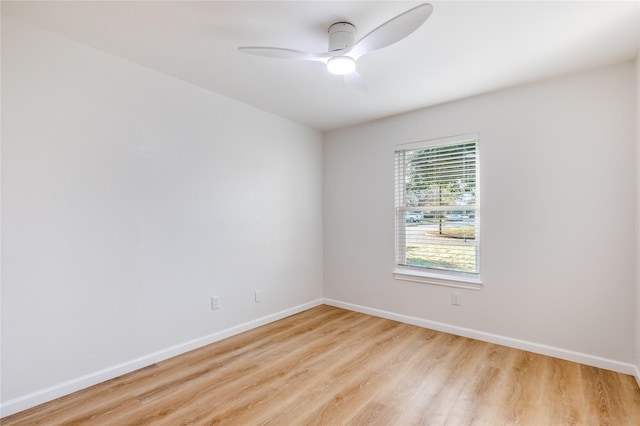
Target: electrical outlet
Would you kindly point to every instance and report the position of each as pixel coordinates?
(258, 296)
(215, 303)
(456, 298)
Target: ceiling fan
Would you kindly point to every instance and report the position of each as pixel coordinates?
(343, 52)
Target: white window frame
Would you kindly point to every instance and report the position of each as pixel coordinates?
(436, 276)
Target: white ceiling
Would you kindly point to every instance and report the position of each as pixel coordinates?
(464, 48)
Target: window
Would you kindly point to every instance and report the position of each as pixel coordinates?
(437, 210)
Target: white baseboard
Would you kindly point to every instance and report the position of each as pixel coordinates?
(24, 402)
(48, 394)
(565, 354)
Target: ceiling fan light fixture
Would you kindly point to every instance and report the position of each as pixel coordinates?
(341, 65)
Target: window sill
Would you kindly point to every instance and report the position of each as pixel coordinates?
(443, 279)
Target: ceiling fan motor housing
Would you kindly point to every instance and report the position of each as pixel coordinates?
(341, 36)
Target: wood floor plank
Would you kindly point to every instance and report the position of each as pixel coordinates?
(329, 366)
(324, 388)
(246, 393)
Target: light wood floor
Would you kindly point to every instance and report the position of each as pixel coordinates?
(329, 366)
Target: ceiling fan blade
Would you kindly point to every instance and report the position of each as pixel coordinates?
(356, 83)
(282, 53)
(277, 52)
(392, 31)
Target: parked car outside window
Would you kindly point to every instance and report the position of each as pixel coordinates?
(413, 217)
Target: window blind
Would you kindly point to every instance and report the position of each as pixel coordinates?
(437, 208)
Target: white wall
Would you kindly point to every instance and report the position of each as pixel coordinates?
(128, 199)
(557, 163)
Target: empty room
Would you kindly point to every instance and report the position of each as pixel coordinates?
(320, 212)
